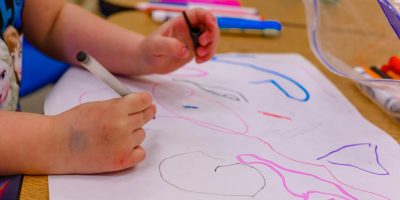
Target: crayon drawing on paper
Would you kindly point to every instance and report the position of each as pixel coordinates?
(242, 126)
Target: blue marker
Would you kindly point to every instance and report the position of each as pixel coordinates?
(265, 27)
(229, 24)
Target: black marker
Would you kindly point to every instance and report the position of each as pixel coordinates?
(194, 32)
(380, 73)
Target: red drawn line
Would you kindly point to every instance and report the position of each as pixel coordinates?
(3, 187)
(274, 115)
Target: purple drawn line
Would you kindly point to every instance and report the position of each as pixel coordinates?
(231, 132)
(202, 123)
(282, 155)
(273, 166)
(354, 166)
(211, 127)
(343, 147)
(315, 165)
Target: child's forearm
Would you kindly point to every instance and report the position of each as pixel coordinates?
(72, 29)
(28, 145)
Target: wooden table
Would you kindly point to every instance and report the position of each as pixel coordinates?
(293, 39)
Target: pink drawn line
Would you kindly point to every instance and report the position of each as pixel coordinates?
(275, 115)
(312, 164)
(275, 167)
(231, 132)
(197, 73)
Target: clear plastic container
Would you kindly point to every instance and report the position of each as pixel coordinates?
(348, 34)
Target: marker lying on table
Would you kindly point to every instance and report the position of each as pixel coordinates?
(231, 24)
(102, 73)
(226, 10)
(161, 16)
(265, 27)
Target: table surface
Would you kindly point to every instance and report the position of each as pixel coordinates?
(293, 39)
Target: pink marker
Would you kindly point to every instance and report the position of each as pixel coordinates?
(240, 12)
(215, 2)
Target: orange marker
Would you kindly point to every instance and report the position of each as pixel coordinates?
(393, 75)
(371, 73)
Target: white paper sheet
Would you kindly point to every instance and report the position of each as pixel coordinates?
(243, 126)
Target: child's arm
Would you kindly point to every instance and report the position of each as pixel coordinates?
(63, 29)
(91, 138)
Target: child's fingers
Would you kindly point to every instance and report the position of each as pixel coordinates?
(209, 41)
(206, 38)
(138, 120)
(208, 24)
(205, 58)
(137, 155)
(200, 16)
(204, 50)
(136, 102)
(205, 53)
(138, 137)
(162, 45)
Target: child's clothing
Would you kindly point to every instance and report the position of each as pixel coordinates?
(10, 76)
(10, 52)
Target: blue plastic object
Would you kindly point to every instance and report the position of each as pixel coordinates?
(238, 23)
(38, 70)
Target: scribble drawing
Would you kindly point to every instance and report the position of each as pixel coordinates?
(172, 102)
(198, 172)
(217, 91)
(361, 156)
(161, 97)
(313, 185)
(169, 96)
(273, 82)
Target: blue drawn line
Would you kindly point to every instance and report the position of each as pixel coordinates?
(301, 87)
(350, 165)
(190, 107)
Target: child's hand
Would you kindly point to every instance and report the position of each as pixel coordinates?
(102, 136)
(172, 46)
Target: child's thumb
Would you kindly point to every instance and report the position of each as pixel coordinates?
(170, 47)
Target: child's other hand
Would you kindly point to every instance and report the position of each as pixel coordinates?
(102, 136)
(172, 46)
